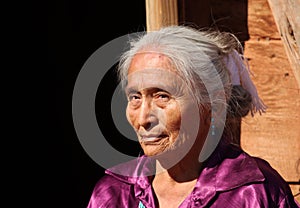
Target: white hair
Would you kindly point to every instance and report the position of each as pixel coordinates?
(197, 56)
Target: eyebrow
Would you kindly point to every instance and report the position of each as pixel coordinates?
(150, 89)
(129, 90)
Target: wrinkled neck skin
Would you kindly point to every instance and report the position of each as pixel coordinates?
(173, 185)
(185, 170)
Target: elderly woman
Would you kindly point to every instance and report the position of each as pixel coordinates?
(183, 86)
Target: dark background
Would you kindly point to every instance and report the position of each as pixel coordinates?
(75, 30)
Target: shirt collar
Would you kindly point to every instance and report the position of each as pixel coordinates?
(227, 168)
(137, 172)
(234, 167)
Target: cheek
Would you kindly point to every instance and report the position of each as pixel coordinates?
(173, 118)
(129, 116)
(190, 118)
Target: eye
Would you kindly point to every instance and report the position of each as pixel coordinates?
(134, 99)
(162, 98)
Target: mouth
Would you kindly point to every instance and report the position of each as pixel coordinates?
(153, 139)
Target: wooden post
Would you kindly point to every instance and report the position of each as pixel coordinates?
(287, 17)
(161, 13)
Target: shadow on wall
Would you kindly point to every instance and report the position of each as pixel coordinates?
(230, 15)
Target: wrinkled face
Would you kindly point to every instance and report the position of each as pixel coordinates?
(160, 108)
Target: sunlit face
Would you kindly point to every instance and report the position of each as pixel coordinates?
(160, 108)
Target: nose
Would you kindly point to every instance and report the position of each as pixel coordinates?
(146, 117)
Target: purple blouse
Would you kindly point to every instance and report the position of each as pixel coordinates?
(231, 178)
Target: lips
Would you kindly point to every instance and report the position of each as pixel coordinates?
(149, 139)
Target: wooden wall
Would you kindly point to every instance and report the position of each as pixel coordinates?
(274, 136)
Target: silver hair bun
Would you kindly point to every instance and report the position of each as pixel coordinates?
(239, 104)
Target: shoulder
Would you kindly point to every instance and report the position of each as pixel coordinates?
(109, 183)
(108, 191)
(251, 180)
(276, 186)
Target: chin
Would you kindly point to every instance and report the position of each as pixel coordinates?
(152, 152)
(168, 153)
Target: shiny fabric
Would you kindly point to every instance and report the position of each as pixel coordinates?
(231, 178)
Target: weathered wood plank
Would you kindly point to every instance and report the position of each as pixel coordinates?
(261, 24)
(161, 13)
(275, 135)
(287, 17)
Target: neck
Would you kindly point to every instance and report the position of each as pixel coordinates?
(172, 186)
(186, 170)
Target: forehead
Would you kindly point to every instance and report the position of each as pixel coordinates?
(153, 78)
(147, 60)
(152, 70)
